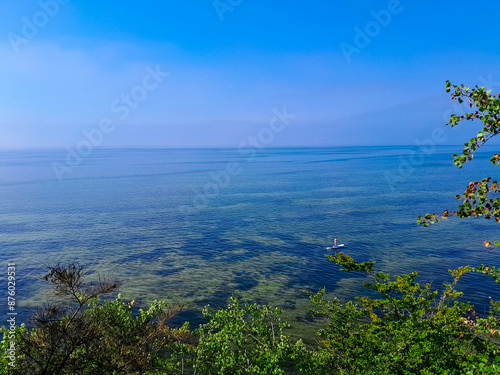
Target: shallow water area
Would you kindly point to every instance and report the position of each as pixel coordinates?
(169, 224)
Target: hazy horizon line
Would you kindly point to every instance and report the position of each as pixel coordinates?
(226, 147)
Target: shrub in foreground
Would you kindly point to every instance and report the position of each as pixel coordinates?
(407, 328)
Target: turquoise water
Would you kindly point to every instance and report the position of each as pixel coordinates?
(187, 225)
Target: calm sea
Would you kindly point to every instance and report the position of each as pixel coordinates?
(196, 225)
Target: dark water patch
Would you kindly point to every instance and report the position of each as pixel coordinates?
(429, 254)
(315, 278)
(210, 247)
(81, 224)
(309, 319)
(450, 252)
(168, 271)
(47, 246)
(207, 247)
(244, 283)
(193, 316)
(219, 299)
(151, 256)
(279, 268)
(134, 238)
(16, 228)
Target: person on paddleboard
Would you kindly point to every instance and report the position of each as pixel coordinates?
(335, 242)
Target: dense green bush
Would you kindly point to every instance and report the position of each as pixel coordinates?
(245, 339)
(408, 330)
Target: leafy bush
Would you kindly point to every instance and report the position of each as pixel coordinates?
(245, 339)
(409, 330)
(84, 335)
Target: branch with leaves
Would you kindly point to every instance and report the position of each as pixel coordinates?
(480, 198)
(487, 110)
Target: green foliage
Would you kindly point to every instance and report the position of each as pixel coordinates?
(349, 264)
(487, 110)
(480, 198)
(408, 330)
(484, 367)
(10, 340)
(402, 327)
(245, 339)
(85, 335)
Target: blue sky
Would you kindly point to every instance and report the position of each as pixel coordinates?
(231, 63)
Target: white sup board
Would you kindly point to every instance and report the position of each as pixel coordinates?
(335, 247)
